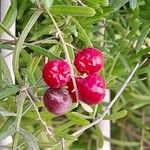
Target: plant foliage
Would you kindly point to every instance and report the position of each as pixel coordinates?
(120, 28)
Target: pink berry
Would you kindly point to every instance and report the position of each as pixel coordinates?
(71, 87)
(89, 60)
(56, 73)
(92, 89)
(57, 101)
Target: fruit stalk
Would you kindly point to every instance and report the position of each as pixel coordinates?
(65, 50)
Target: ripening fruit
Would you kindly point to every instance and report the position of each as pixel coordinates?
(57, 101)
(56, 73)
(89, 60)
(71, 87)
(92, 89)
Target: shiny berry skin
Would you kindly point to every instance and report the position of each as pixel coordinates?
(71, 88)
(89, 60)
(92, 89)
(57, 101)
(56, 73)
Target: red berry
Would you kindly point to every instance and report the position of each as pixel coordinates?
(71, 88)
(92, 89)
(57, 101)
(56, 73)
(89, 60)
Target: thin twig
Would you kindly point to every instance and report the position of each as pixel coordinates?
(109, 106)
(70, 45)
(6, 41)
(49, 130)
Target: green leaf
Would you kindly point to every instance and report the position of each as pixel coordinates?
(145, 31)
(7, 129)
(92, 20)
(81, 31)
(147, 4)
(76, 118)
(6, 113)
(117, 26)
(64, 135)
(43, 31)
(103, 2)
(22, 8)
(100, 136)
(134, 28)
(30, 138)
(35, 64)
(143, 70)
(141, 104)
(10, 16)
(9, 90)
(20, 43)
(113, 64)
(139, 55)
(42, 51)
(123, 143)
(65, 126)
(118, 4)
(29, 76)
(5, 70)
(72, 10)
(56, 49)
(132, 4)
(116, 116)
(6, 46)
(145, 14)
(71, 53)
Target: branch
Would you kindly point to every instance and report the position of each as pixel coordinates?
(49, 130)
(100, 118)
(109, 106)
(6, 41)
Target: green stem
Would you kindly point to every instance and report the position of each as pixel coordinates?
(20, 104)
(65, 50)
(49, 130)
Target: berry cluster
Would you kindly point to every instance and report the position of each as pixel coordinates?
(91, 89)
